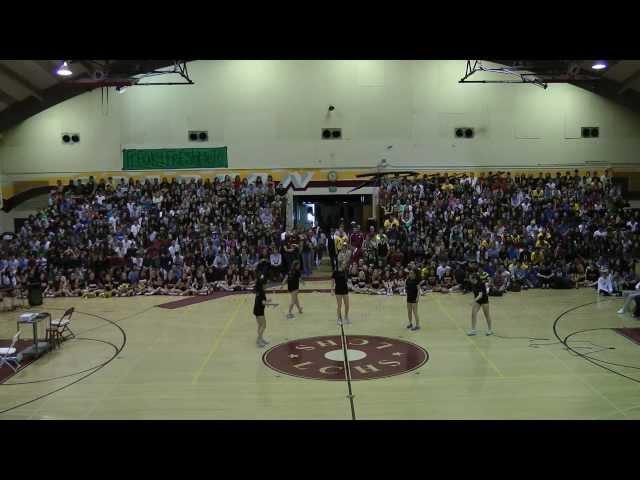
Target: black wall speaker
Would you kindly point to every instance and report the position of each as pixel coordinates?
(198, 136)
(331, 133)
(70, 138)
(590, 132)
(463, 132)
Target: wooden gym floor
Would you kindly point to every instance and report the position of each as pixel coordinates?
(201, 362)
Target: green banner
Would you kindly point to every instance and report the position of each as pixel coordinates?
(174, 158)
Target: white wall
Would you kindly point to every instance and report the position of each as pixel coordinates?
(30, 207)
(270, 114)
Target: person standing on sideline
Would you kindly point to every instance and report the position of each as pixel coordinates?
(331, 248)
(293, 285)
(307, 256)
(320, 246)
(480, 299)
(411, 287)
(340, 288)
(261, 301)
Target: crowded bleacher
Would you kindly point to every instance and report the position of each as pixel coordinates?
(117, 238)
(194, 237)
(517, 231)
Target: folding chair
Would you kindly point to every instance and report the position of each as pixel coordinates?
(62, 324)
(9, 354)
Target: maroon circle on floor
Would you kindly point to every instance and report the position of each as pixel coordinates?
(321, 358)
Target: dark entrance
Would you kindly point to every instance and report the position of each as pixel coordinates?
(327, 211)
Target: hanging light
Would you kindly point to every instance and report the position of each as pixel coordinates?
(121, 89)
(64, 70)
(599, 66)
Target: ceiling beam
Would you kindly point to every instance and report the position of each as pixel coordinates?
(28, 86)
(628, 82)
(6, 98)
(44, 69)
(609, 89)
(19, 111)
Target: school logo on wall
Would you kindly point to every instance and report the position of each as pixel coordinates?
(322, 358)
(298, 182)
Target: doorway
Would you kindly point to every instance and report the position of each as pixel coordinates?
(327, 211)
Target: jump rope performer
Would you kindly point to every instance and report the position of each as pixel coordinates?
(412, 285)
(261, 301)
(340, 289)
(293, 279)
(480, 300)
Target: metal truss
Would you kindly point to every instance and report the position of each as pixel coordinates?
(123, 73)
(179, 67)
(476, 66)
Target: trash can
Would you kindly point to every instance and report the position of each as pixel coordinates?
(34, 294)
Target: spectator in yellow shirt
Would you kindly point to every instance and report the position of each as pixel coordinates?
(340, 240)
(389, 222)
(537, 257)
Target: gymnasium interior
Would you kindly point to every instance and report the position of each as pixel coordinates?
(145, 202)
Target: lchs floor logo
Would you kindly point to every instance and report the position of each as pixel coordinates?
(322, 358)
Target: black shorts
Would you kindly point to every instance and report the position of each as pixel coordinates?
(483, 301)
(342, 292)
(412, 299)
(258, 312)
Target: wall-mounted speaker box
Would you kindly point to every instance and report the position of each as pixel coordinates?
(198, 136)
(331, 133)
(70, 138)
(463, 132)
(590, 132)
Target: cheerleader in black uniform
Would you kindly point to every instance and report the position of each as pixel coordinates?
(293, 280)
(480, 299)
(412, 286)
(261, 301)
(340, 288)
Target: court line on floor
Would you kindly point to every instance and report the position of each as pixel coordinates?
(635, 407)
(580, 377)
(584, 381)
(218, 339)
(488, 360)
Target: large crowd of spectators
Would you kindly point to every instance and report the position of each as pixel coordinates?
(517, 231)
(112, 238)
(118, 238)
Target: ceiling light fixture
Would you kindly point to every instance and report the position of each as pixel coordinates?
(599, 66)
(64, 70)
(121, 89)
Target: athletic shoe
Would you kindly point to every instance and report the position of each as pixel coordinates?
(347, 321)
(417, 327)
(410, 326)
(489, 332)
(301, 311)
(266, 342)
(621, 311)
(339, 322)
(471, 333)
(290, 315)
